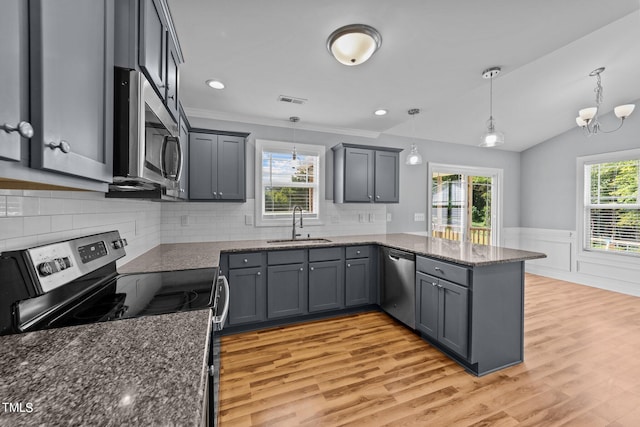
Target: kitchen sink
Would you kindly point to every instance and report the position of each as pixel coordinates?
(303, 240)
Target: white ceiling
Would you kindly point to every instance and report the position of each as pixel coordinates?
(432, 56)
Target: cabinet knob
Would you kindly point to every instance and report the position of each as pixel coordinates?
(311, 269)
(439, 285)
(258, 274)
(301, 268)
(434, 284)
(62, 145)
(377, 197)
(220, 194)
(348, 265)
(357, 252)
(23, 128)
(215, 193)
(245, 260)
(437, 268)
(369, 196)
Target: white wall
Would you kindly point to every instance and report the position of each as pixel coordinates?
(29, 218)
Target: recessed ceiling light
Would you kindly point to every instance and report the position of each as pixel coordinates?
(380, 112)
(215, 84)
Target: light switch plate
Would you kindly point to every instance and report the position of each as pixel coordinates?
(372, 217)
(388, 216)
(361, 217)
(248, 220)
(418, 216)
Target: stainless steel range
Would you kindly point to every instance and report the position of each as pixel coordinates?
(76, 282)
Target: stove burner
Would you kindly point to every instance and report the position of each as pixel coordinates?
(170, 302)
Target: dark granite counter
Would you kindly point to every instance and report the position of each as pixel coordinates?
(145, 371)
(179, 256)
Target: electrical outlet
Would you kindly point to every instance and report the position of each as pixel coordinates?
(248, 220)
(388, 216)
(418, 216)
(184, 220)
(361, 217)
(372, 217)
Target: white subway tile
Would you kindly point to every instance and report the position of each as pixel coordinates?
(11, 227)
(61, 222)
(34, 225)
(3, 205)
(22, 206)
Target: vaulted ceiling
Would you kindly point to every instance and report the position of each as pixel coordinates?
(432, 55)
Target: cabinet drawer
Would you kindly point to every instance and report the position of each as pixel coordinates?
(357, 251)
(285, 257)
(444, 270)
(325, 254)
(245, 260)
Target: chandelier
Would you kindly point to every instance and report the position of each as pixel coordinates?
(588, 117)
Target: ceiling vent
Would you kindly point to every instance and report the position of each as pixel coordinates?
(292, 99)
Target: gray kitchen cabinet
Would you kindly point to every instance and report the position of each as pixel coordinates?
(13, 67)
(71, 87)
(217, 167)
(286, 290)
(442, 311)
(246, 274)
(357, 282)
(326, 285)
(153, 43)
(366, 174)
(173, 74)
(183, 183)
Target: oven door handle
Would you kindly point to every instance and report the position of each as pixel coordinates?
(218, 321)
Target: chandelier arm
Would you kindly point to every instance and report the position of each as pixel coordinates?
(612, 130)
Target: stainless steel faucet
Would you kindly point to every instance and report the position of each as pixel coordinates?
(293, 230)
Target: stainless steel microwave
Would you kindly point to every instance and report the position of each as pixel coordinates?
(148, 158)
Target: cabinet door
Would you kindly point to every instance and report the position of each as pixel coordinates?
(286, 290)
(427, 292)
(387, 188)
(231, 168)
(173, 103)
(12, 69)
(153, 44)
(183, 184)
(246, 295)
(357, 282)
(358, 172)
(326, 285)
(453, 309)
(202, 177)
(71, 73)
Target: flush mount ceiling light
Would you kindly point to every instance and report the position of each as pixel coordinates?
(380, 112)
(414, 157)
(215, 84)
(491, 137)
(588, 117)
(354, 44)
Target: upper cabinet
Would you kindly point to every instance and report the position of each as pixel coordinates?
(71, 47)
(183, 183)
(146, 40)
(217, 166)
(366, 174)
(57, 94)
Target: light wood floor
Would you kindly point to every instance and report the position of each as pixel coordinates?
(582, 368)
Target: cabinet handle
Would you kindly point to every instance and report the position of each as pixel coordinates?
(23, 128)
(258, 274)
(62, 145)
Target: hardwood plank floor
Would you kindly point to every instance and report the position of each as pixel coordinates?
(582, 368)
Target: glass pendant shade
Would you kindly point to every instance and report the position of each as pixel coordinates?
(414, 157)
(587, 114)
(354, 44)
(492, 137)
(624, 111)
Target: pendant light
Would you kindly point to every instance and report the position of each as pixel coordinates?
(414, 157)
(491, 137)
(294, 154)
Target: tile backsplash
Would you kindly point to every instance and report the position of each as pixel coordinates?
(29, 218)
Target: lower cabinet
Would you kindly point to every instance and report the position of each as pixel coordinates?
(247, 292)
(442, 312)
(326, 285)
(286, 290)
(357, 282)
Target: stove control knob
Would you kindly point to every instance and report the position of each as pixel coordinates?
(45, 269)
(118, 244)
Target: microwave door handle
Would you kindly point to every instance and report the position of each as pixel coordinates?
(163, 153)
(218, 321)
(180, 160)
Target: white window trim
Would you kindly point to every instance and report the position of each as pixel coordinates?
(496, 199)
(320, 150)
(581, 191)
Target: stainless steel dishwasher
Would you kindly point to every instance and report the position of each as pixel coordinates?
(399, 287)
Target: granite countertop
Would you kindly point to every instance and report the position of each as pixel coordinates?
(178, 256)
(145, 371)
